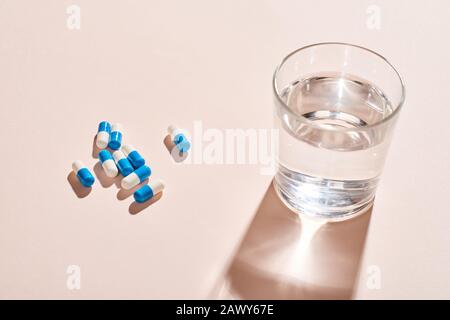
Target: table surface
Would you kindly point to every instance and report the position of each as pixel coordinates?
(218, 230)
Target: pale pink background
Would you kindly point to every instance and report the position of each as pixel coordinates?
(215, 232)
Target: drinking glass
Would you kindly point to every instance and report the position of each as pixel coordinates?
(336, 106)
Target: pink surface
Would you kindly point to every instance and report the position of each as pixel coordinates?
(150, 64)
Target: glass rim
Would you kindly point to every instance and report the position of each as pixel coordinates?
(308, 122)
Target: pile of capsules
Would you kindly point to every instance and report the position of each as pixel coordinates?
(126, 160)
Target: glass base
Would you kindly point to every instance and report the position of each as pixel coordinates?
(300, 208)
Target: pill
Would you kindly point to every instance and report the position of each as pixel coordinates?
(122, 163)
(83, 174)
(148, 191)
(108, 163)
(133, 156)
(115, 138)
(104, 129)
(136, 177)
(179, 138)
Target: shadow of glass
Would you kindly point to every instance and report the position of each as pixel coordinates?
(136, 207)
(80, 190)
(176, 155)
(286, 256)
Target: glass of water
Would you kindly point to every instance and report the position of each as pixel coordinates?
(336, 107)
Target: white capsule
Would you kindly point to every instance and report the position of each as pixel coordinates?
(148, 191)
(127, 149)
(133, 156)
(122, 163)
(110, 168)
(174, 131)
(179, 138)
(130, 181)
(115, 137)
(102, 139)
(108, 163)
(136, 177)
(104, 129)
(82, 173)
(77, 165)
(118, 155)
(157, 186)
(117, 127)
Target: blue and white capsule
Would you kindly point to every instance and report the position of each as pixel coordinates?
(133, 156)
(122, 163)
(83, 174)
(136, 177)
(148, 191)
(115, 138)
(179, 138)
(104, 130)
(108, 164)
